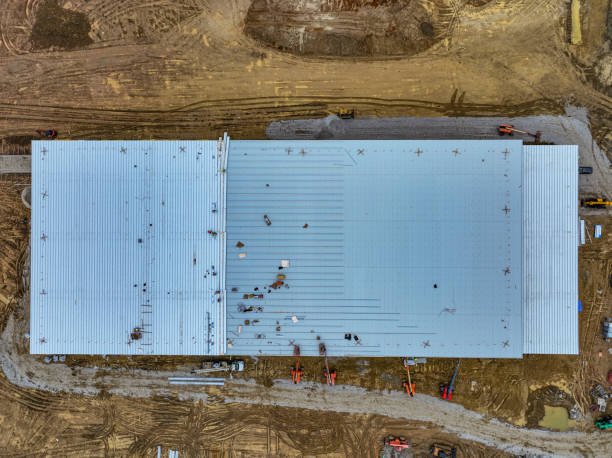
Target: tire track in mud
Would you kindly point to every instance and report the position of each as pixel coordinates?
(38, 401)
(518, 9)
(451, 16)
(15, 15)
(236, 116)
(193, 426)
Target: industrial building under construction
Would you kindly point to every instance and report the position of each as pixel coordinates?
(377, 248)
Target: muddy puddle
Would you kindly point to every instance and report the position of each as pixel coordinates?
(556, 418)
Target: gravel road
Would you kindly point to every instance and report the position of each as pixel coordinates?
(26, 371)
(571, 129)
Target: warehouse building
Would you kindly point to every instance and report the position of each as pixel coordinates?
(375, 248)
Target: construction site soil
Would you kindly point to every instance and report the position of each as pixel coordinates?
(190, 69)
(346, 28)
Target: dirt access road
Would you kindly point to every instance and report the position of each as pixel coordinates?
(187, 69)
(27, 372)
(571, 129)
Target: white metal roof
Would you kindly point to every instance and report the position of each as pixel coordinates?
(119, 241)
(550, 249)
(411, 247)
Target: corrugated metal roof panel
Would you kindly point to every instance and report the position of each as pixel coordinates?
(412, 246)
(550, 249)
(415, 247)
(119, 240)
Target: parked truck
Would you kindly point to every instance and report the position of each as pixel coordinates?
(220, 366)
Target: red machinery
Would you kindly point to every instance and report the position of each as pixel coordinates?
(330, 375)
(397, 443)
(509, 129)
(408, 385)
(447, 390)
(296, 371)
(50, 134)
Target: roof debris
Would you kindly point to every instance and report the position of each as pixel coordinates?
(239, 244)
(267, 220)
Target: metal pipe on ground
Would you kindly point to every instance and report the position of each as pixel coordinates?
(198, 379)
(186, 382)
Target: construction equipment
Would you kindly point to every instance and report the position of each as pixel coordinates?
(596, 202)
(49, 134)
(604, 422)
(330, 375)
(345, 113)
(509, 129)
(447, 390)
(442, 451)
(396, 447)
(296, 370)
(408, 385)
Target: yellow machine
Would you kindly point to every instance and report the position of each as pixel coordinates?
(596, 203)
(345, 113)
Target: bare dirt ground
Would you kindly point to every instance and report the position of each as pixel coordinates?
(189, 69)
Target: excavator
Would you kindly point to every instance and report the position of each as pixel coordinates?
(509, 129)
(596, 202)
